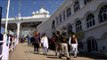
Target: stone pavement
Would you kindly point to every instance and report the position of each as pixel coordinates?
(24, 52)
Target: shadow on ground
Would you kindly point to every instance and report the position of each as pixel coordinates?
(96, 57)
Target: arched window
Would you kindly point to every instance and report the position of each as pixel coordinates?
(103, 14)
(104, 36)
(76, 6)
(60, 18)
(68, 12)
(87, 1)
(64, 15)
(90, 20)
(78, 26)
(53, 24)
(57, 21)
(92, 44)
(69, 28)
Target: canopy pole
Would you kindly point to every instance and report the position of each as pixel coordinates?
(5, 51)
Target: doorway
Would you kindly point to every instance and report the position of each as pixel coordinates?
(92, 45)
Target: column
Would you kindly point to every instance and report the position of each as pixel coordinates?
(18, 31)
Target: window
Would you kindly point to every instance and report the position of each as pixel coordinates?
(69, 28)
(87, 1)
(76, 6)
(53, 24)
(57, 21)
(68, 12)
(60, 18)
(78, 26)
(92, 44)
(103, 14)
(64, 15)
(90, 20)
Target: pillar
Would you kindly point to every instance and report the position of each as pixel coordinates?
(18, 31)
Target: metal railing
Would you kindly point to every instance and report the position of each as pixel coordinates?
(6, 48)
(2, 49)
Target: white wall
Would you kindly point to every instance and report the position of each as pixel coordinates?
(92, 7)
(45, 27)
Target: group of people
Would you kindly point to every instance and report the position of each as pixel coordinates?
(61, 42)
(40, 41)
(11, 42)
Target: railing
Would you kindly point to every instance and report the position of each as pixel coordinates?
(1, 42)
(6, 48)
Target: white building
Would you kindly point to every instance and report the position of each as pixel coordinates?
(88, 18)
(27, 25)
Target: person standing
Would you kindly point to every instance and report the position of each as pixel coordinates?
(44, 42)
(28, 40)
(74, 44)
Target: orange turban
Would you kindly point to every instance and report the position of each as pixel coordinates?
(36, 33)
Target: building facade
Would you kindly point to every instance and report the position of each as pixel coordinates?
(87, 18)
(26, 25)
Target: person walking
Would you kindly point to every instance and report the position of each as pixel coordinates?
(44, 42)
(64, 45)
(57, 43)
(74, 44)
(36, 43)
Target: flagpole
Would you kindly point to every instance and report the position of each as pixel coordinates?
(6, 24)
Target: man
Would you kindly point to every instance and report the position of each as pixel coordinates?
(28, 40)
(44, 41)
(64, 45)
(74, 44)
(57, 43)
(36, 42)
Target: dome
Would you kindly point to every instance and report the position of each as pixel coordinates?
(37, 12)
(47, 12)
(33, 13)
(42, 10)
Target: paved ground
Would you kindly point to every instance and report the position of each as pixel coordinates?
(24, 52)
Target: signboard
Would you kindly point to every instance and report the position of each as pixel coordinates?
(0, 17)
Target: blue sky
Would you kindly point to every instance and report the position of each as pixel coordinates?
(28, 6)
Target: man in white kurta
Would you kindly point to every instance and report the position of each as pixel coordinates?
(44, 42)
(74, 46)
